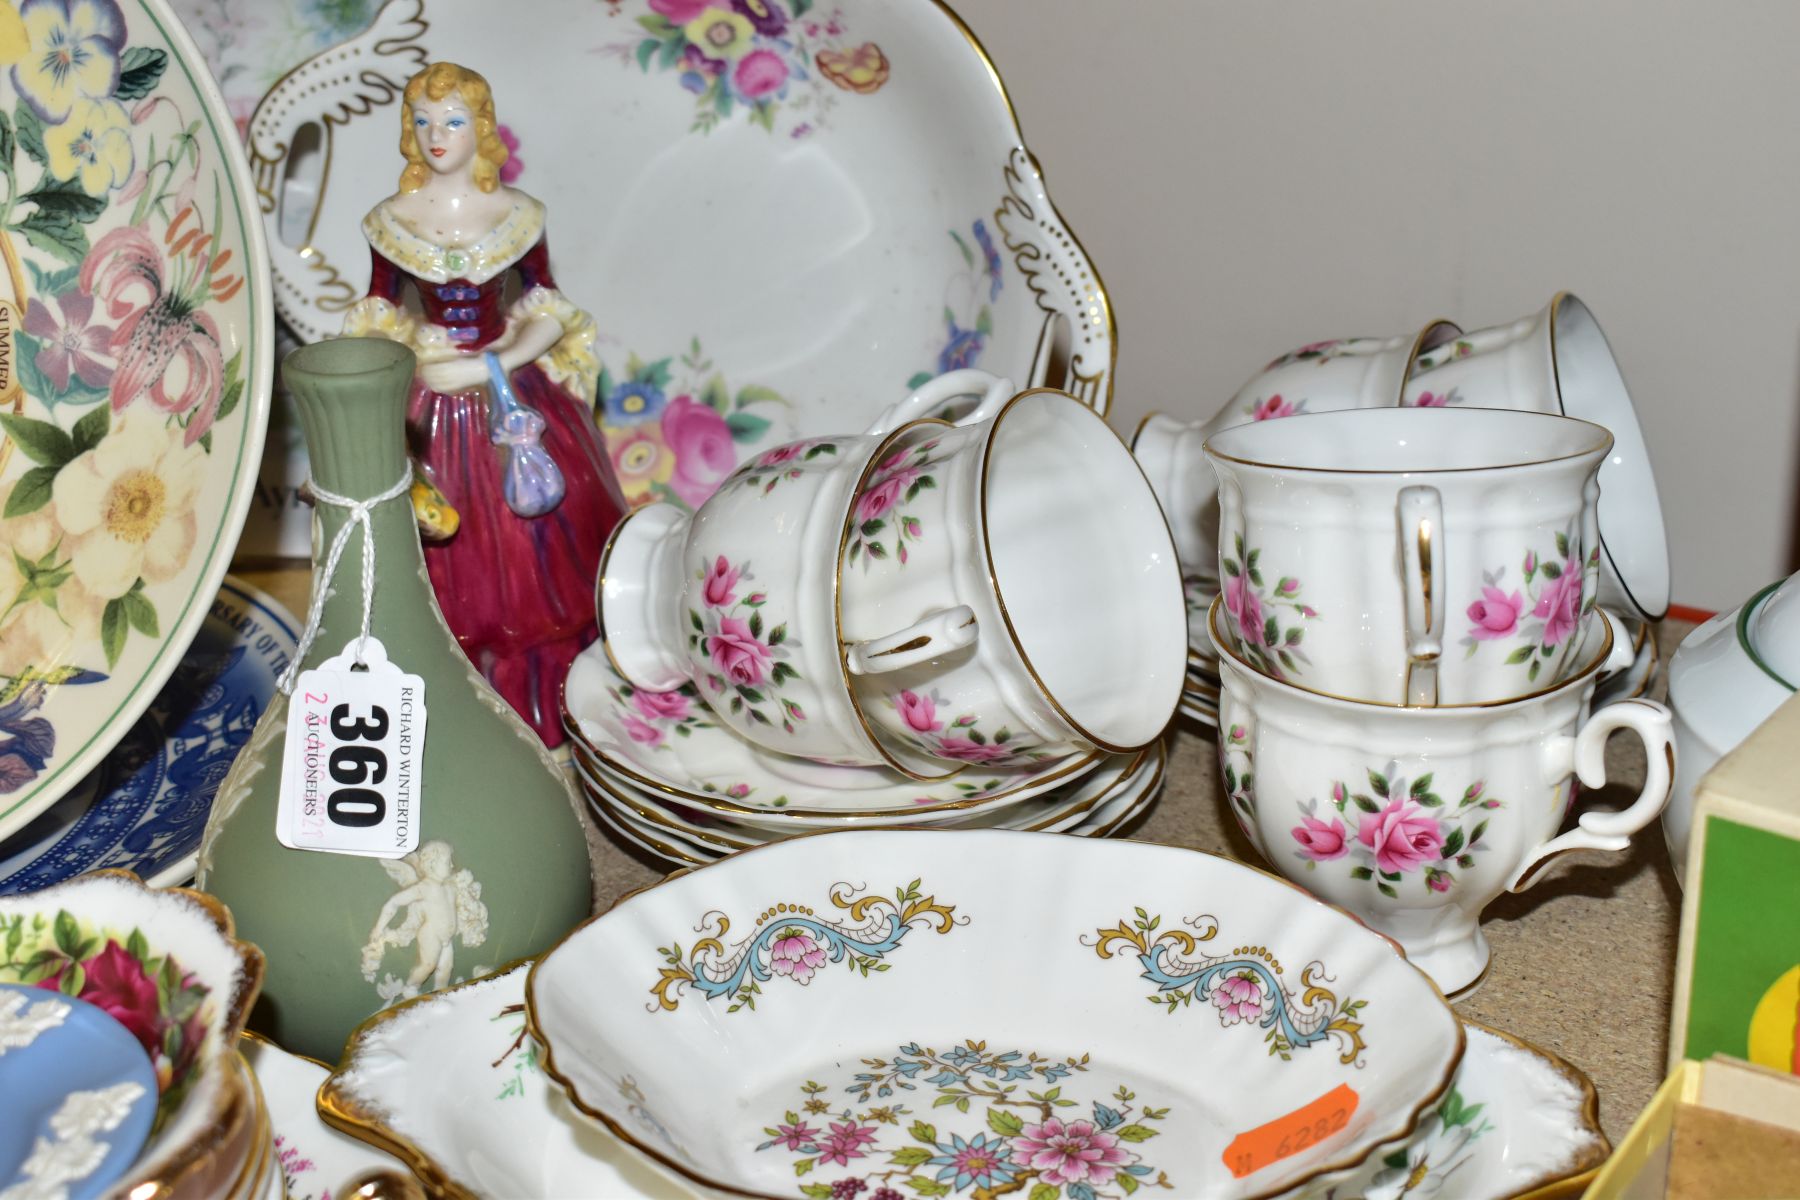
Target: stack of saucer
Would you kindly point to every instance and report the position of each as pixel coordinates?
(1200, 689)
(663, 775)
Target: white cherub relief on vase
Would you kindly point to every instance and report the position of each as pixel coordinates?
(437, 905)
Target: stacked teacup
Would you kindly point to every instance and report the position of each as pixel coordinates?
(1409, 639)
(994, 594)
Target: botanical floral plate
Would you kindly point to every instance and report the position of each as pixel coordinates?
(665, 742)
(854, 969)
(1100, 804)
(315, 1160)
(144, 807)
(849, 182)
(135, 331)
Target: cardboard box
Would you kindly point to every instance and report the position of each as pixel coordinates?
(1721, 1128)
(1737, 970)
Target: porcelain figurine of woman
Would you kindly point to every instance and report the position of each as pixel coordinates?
(515, 495)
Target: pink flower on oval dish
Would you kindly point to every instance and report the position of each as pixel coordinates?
(737, 653)
(1495, 615)
(1245, 609)
(702, 444)
(1559, 604)
(642, 731)
(918, 712)
(795, 954)
(759, 73)
(1272, 408)
(719, 582)
(1239, 998)
(1319, 841)
(1403, 836)
(661, 706)
(1073, 1153)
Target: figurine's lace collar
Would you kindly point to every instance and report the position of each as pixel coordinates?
(478, 262)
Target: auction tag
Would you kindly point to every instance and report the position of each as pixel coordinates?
(355, 745)
(1299, 1130)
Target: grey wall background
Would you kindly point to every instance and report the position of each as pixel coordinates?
(1253, 176)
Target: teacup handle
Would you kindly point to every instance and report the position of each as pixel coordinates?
(1421, 528)
(993, 389)
(1584, 756)
(928, 638)
(1623, 652)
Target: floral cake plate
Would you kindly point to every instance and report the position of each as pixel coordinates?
(135, 334)
(914, 235)
(665, 742)
(144, 807)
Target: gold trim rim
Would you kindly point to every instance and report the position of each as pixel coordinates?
(1601, 450)
(1418, 348)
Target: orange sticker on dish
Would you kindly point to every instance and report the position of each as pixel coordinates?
(1299, 1130)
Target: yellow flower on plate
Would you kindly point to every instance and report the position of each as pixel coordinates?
(72, 53)
(15, 43)
(719, 33)
(94, 144)
(640, 459)
(127, 505)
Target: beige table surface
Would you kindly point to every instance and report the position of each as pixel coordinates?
(1583, 962)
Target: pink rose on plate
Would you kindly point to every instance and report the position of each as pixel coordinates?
(702, 444)
(1319, 841)
(1432, 400)
(918, 712)
(1272, 408)
(1245, 608)
(642, 731)
(963, 750)
(1559, 604)
(884, 493)
(1495, 615)
(759, 73)
(795, 954)
(1403, 836)
(738, 653)
(660, 706)
(782, 454)
(1239, 998)
(719, 582)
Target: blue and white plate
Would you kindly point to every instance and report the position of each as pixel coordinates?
(144, 808)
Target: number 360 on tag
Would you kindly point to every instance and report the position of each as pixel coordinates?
(350, 778)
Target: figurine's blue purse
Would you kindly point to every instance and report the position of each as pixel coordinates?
(532, 481)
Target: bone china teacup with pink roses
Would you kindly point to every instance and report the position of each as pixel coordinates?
(1353, 544)
(738, 597)
(1040, 524)
(1415, 818)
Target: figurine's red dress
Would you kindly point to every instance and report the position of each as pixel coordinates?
(518, 592)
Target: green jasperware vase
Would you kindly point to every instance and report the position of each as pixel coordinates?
(501, 869)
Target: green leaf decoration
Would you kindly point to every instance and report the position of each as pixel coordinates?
(72, 979)
(31, 492)
(54, 233)
(756, 624)
(658, 24)
(924, 1131)
(1480, 829)
(113, 626)
(136, 946)
(816, 1191)
(1137, 1133)
(803, 1165)
(1422, 784)
(746, 427)
(1453, 843)
(8, 145)
(31, 134)
(800, 7)
(1004, 1123)
(92, 427)
(1519, 655)
(141, 613)
(66, 197)
(1366, 803)
(1045, 1191)
(67, 932)
(139, 69)
(1271, 633)
(1379, 782)
(1361, 873)
(756, 394)
(40, 441)
(910, 1156)
(1550, 570)
(1387, 890)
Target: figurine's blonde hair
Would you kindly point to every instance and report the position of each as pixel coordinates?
(435, 82)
